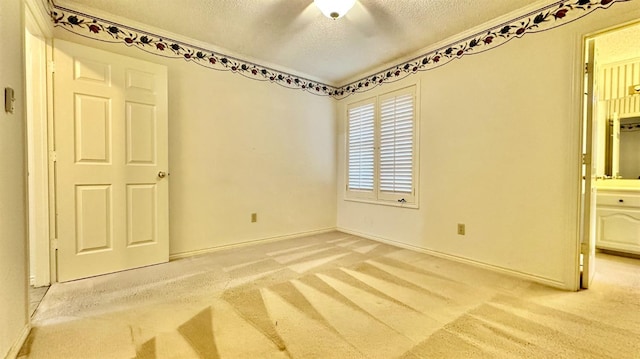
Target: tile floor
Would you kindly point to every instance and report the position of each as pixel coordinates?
(35, 297)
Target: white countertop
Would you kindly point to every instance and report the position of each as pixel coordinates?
(618, 185)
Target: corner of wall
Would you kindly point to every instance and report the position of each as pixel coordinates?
(40, 10)
(14, 351)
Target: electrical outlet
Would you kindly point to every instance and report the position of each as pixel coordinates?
(254, 217)
(461, 229)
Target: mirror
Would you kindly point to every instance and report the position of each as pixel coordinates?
(622, 147)
(617, 107)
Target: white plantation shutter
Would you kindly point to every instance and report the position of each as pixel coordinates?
(382, 149)
(397, 143)
(361, 147)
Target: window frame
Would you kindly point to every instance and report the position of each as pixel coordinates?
(377, 196)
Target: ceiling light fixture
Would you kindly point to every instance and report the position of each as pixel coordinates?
(334, 9)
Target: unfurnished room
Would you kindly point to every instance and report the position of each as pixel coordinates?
(319, 179)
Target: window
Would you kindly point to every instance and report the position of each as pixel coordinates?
(381, 148)
(361, 147)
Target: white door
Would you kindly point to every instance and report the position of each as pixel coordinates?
(110, 124)
(588, 230)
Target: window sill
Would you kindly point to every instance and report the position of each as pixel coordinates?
(383, 203)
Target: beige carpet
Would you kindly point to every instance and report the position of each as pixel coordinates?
(335, 296)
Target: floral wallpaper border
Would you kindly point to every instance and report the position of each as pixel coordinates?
(544, 19)
(549, 17)
(107, 31)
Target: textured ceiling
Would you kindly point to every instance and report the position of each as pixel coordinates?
(294, 34)
(619, 45)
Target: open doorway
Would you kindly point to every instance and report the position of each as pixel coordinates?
(611, 185)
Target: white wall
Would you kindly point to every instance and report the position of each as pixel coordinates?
(499, 151)
(13, 256)
(238, 146)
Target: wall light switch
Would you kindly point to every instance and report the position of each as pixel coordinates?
(9, 100)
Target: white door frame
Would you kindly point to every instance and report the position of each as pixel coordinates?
(585, 227)
(589, 159)
(38, 24)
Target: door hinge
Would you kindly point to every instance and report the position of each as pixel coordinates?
(586, 68)
(54, 243)
(52, 67)
(53, 156)
(586, 159)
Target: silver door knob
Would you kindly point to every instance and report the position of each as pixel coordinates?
(162, 174)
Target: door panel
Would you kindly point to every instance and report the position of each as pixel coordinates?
(93, 219)
(111, 143)
(92, 129)
(141, 80)
(141, 214)
(91, 71)
(141, 134)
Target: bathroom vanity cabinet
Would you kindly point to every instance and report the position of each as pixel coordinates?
(618, 220)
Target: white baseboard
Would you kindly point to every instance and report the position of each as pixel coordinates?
(15, 349)
(532, 277)
(248, 243)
